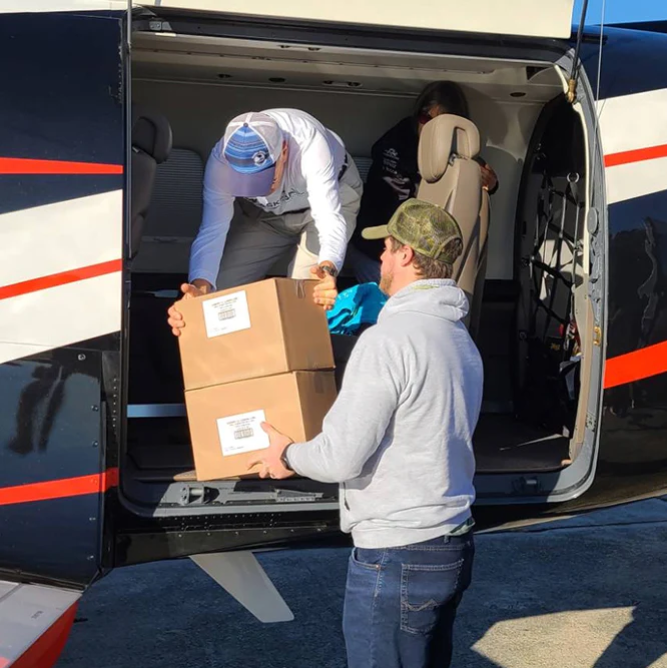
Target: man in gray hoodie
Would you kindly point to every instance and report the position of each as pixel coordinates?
(399, 441)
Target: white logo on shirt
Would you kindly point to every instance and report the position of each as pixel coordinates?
(400, 185)
(269, 204)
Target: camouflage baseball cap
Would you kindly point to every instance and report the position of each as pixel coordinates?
(426, 228)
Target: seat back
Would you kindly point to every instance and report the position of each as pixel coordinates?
(151, 145)
(478, 291)
(452, 179)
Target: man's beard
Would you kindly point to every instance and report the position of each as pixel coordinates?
(385, 282)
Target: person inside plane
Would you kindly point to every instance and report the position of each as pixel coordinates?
(394, 174)
(300, 191)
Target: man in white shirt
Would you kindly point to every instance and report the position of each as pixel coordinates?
(301, 191)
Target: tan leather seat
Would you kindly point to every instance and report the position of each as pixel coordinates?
(452, 179)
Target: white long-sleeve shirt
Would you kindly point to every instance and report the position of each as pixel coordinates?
(316, 156)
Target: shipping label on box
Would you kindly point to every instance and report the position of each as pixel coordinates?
(226, 314)
(242, 433)
(226, 420)
(261, 329)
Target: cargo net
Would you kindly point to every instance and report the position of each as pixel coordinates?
(551, 269)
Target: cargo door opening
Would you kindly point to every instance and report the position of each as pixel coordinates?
(534, 306)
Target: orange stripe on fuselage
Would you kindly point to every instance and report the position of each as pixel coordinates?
(637, 365)
(59, 489)
(21, 166)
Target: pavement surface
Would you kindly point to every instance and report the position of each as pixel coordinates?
(588, 592)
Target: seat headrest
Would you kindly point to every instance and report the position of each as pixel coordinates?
(440, 138)
(151, 133)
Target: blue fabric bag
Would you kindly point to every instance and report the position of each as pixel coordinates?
(356, 307)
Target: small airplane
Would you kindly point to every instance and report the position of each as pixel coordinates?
(99, 202)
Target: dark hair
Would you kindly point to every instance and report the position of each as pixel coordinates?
(445, 94)
(426, 267)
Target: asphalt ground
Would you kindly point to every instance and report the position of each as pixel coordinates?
(588, 592)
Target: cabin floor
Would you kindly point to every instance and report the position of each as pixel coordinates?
(502, 445)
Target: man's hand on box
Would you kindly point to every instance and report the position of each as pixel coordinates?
(197, 288)
(271, 459)
(325, 292)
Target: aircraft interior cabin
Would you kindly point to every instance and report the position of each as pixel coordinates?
(525, 279)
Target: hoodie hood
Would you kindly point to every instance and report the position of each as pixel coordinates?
(439, 297)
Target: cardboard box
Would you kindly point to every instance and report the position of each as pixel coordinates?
(225, 419)
(261, 329)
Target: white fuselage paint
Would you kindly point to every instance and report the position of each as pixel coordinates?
(53, 240)
(632, 123)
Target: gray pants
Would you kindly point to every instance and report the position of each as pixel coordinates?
(258, 240)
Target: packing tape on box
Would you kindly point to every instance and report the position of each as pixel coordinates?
(300, 288)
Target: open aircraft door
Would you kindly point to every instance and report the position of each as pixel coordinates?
(62, 154)
(521, 18)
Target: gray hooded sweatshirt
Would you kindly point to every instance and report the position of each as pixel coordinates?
(399, 436)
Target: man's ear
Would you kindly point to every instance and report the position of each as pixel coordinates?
(407, 254)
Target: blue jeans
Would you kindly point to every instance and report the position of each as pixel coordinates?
(400, 603)
(366, 269)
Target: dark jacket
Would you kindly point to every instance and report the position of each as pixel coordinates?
(392, 178)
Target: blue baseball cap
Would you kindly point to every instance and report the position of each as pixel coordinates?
(251, 148)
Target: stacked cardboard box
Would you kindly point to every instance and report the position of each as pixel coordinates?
(260, 352)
